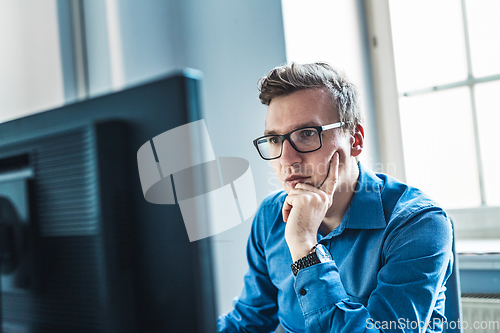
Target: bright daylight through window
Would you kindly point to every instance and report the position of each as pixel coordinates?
(30, 62)
(448, 75)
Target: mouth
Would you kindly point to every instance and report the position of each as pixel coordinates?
(293, 180)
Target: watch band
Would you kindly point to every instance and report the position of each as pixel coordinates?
(308, 260)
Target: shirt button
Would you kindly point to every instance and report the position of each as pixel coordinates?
(302, 291)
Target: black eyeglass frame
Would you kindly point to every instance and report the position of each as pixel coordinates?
(284, 137)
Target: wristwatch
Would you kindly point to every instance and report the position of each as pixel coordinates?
(318, 254)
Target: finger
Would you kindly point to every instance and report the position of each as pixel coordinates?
(306, 189)
(288, 204)
(304, 186)
(331, 180)
(286, 210)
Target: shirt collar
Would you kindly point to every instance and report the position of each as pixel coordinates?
(366, 210)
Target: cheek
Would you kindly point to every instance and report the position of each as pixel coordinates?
(276, 167)
(322, 164)
(343, 148)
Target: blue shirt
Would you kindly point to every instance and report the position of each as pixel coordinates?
(391, 259)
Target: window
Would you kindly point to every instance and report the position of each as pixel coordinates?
(442, 57)
(30, 61)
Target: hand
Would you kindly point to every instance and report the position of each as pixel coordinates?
(305, 208)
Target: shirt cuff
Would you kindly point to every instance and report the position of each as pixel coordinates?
(319, 286)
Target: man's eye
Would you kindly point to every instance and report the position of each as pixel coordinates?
(274, 140)
(307, 133)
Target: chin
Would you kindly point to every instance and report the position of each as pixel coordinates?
(286, 188)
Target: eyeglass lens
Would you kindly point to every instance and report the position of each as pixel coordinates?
(305, 140)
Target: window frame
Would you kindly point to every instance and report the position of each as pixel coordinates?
(470, 223)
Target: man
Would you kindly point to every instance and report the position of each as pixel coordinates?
(342, 249)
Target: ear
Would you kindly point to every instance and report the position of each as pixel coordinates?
(357, 140)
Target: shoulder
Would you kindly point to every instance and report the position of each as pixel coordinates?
(396, 201)
(404, 201)
(412, 213)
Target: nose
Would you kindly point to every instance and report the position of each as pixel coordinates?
(289, 155)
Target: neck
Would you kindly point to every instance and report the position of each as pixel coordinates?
(341, 200)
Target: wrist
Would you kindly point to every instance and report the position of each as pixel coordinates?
(301, 249)
(319, 254)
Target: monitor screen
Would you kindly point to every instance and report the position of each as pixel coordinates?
(81, 249)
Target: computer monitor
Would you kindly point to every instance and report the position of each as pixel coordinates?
(81, 248)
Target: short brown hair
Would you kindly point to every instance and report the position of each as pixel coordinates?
(286, 79)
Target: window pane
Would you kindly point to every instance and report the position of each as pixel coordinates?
(429, 45)
(438, 141)
(30, 59)
(488, 114)
(484, 34)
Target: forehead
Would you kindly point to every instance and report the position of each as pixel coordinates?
(311, 107)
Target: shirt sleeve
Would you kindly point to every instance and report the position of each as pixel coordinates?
(256, 309)
(417, 261)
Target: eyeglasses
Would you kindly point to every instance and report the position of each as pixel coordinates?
(303, 140)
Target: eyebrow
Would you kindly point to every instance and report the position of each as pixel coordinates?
(308, 124)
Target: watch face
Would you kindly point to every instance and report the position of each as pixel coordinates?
(323, 253)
